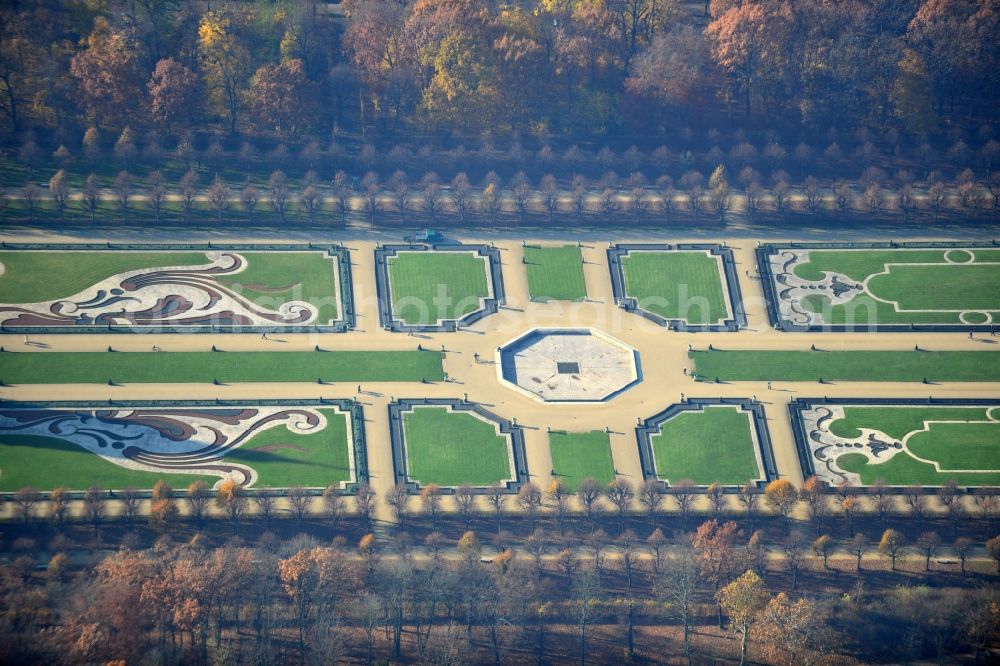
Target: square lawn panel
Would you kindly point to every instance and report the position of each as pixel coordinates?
(679, 285)
(453, 448)
(555, 273)
(431, 286)
(714, 444)
(579, 455)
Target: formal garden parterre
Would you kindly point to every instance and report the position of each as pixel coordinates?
(262, 444)
(175, 288)
(707, 440)
(451, 443)
(856, 442)
(428, 288)
(688, 287)
(884, 286)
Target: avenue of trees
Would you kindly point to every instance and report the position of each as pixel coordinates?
(610, 108)
(786, 576)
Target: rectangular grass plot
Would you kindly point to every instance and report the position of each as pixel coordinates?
(686, 287)
(189, 288)
(277, 444)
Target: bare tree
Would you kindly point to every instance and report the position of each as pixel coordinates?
(928, 543)
(397, 498)
(30, 195)
(401, 193)
(465, 498)
(621, 495)
(26, 500)
(678, 585)
(312, 201)
(123, 192)
(130, 503)
(218, 197)
(371, 190)
(521, 190)
(461, 191)
(342, 195)
(299, 500)
(278, 194)
(529, 498)
(249, 197)
(432, 197)
(156, 191)
(559, 496)
(496, 498)
(59, 189)
(684, 492)
(916, 499)
(668, 196)
(749, 497)
(189, 190)
(651, 498)
(365, 501)
(91, 195)
(430, 498)
(589, 494)
(550, 195)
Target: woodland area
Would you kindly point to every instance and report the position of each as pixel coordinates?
(230, 577)
(564, 107)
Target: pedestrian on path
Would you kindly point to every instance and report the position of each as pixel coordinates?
(769, 386)
(263, 336)
(970, 335)
(26, 340)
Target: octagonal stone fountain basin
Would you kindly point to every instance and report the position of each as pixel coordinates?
(569, 365)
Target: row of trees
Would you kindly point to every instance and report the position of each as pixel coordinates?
(450, 603)
(592, 500)
(551, 67)
(840, 155)
(632, 199)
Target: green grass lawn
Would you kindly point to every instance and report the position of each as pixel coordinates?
(45, 463)
(579, 455)
(269, 279)
(555, 273)
(452, 448)
(273, 278)
(706, 446)
(676, 285)
(863, 366)
(926, 290)
(284, 459)
(955, 446)
(33, 277)
(281, 459)
(431, 286)
(201, 367)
